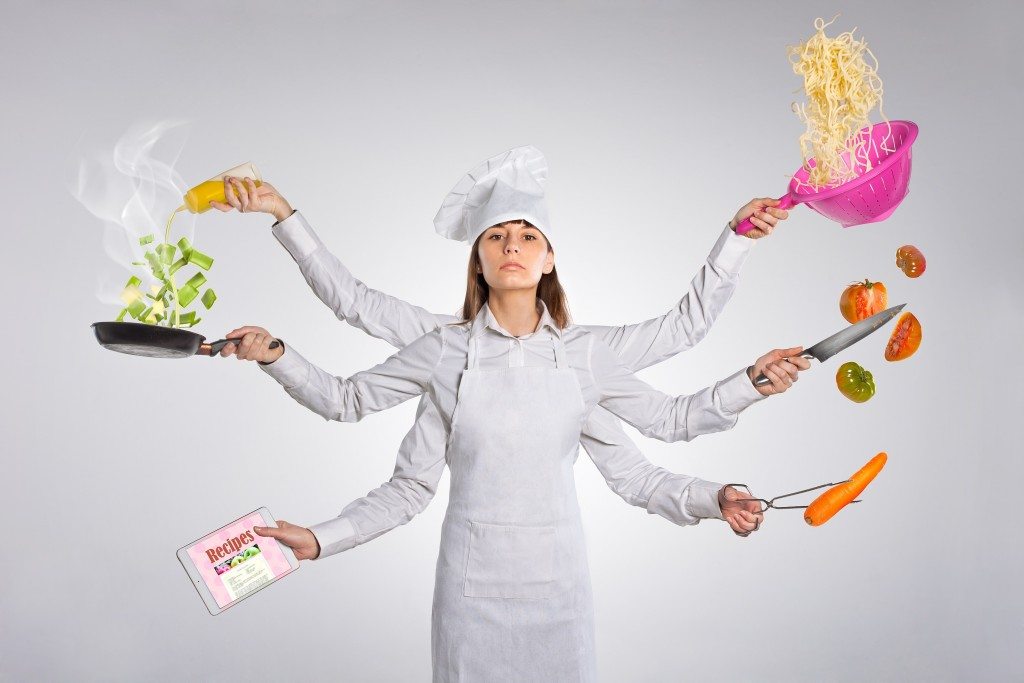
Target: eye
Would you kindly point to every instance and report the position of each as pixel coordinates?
(529, 237)
(493, 235)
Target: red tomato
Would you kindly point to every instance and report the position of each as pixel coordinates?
(862, 300)
(910, 260)
(905, 338)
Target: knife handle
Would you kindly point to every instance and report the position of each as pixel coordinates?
(761, 380)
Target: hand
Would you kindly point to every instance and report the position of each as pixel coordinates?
(300, 539)
(781, 366)
(242, 194)
(743, 516)
(762, 215)
(253, 344)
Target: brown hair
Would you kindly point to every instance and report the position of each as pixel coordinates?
(549, 289)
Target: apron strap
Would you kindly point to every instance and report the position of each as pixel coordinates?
(560, 361)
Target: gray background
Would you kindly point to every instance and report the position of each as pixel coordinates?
(659, 120)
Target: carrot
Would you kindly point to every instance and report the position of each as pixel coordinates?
(837, 497)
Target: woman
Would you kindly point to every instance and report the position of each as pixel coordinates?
(512, 594)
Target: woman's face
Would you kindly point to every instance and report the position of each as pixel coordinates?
(514, 256)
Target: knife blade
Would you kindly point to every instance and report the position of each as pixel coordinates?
(843, 339)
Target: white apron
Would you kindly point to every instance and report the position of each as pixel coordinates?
(512, 597)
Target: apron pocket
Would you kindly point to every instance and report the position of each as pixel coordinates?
(510, 561)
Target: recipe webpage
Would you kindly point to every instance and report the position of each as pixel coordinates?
(233, 561)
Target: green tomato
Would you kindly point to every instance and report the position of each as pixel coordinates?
(855, 383)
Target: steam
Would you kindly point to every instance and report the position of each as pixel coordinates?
(132, 190)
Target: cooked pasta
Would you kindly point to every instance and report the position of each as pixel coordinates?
(841, 88)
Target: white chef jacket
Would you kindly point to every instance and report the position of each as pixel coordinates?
(433, 364)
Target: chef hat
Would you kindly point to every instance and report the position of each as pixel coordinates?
(506, 187)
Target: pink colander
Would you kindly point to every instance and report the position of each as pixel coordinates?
(870, 197)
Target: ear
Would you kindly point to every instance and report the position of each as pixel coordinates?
(549, 262)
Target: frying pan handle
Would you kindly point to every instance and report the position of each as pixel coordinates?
(745, 226)
(761, 380)
(213, 348)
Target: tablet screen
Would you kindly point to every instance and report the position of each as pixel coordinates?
(234, 561)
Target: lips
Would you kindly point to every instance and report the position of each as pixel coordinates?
(511, 266)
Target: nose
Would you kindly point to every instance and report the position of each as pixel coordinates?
(512, 246)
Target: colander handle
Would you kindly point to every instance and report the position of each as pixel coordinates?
(785, 202)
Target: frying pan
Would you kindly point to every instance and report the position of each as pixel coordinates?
(140, 339)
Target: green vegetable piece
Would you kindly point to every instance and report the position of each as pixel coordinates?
(138, 263)
(186, 294)
(854, 382)
(177, 265)
(120, 316)
(162, 293)
(136, 308)
(155, 265)
(185, 246)
(209, 296)
(196, 281)
(187, 318)
(146, 239)
(200, 259)
(133, 282)
(166, 253)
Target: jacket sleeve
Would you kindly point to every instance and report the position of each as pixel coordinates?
(421, 461)
(663, 417)
(382, 316)
(681, 499)
(402, 376)
(650, 342)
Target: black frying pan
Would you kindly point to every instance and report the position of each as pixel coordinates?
(140, 339)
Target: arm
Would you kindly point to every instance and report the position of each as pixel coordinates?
(421, 460)
(657, 415)
(653, 341)
(399, 378)
(382, 316)
(678, 498)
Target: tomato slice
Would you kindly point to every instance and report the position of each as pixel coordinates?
(905, 338)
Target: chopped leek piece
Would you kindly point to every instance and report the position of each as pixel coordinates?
(133, 282)
(185, 246)
(186, 294)
(196, 281)
(155, 265)
(120, 316)
(200, 259)
(166, 253)
(187, 318)
(177, 264)
(138, 263)
(130, 294)
(162, 292)
(209, 296)
(146, 239)
(158, 308)
(136, 308)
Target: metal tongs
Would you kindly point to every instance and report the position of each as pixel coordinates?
(766, 504)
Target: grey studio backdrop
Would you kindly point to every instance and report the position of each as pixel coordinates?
(659, 120)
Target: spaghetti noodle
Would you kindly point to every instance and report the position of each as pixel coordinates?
(841, 89)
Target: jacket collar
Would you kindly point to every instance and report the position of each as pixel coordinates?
(485, 319)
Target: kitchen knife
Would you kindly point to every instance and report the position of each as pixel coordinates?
(843, 339)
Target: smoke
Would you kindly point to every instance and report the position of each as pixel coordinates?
(133, 189)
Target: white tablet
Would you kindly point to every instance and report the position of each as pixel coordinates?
(234, 562)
